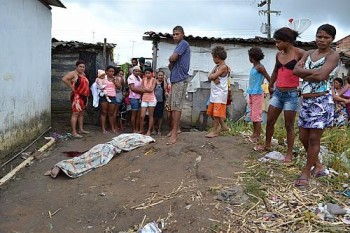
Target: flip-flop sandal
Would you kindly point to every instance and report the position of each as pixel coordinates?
(77, 136)
(260, 148)
(321, 173)
(287, 161)
(84, 132)
(252, 140)
(300, 185)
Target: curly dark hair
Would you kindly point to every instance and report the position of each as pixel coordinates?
(220, 52)
(256, 53)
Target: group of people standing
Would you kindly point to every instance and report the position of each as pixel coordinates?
(146, 94)
(317, 69)
(317, 110)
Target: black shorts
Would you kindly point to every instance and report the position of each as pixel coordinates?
(159, 110)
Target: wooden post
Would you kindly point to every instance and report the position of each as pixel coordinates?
(27, 161)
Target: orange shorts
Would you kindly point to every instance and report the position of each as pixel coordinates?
(217, 110)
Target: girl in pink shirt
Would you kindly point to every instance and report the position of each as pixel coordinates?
(135, 92)
(149, 100)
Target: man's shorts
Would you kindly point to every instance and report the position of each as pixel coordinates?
(177, 95)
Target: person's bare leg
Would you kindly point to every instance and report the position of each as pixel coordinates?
(176, 115)
(272, 116)
(223, 125)
(312, 156)
(142, 119)
(133, 120)
(214, 132)
(150, 120)
(111, 118)
(138, 114)
(73, 122)
(81, 122)
(257, 131)
(289, 118)
(160, 122)
(169, 121)
(116, 116)
(104, 109)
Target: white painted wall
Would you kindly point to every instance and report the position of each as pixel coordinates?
(201, 59)
(25, 64)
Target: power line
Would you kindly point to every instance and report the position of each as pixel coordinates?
(162, 2)
(267, 12)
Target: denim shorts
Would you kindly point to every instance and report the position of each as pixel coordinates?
(112, 99)
(286, 100)
(135, 104)
(119, 97)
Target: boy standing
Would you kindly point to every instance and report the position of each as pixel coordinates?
(179, 65)
(218, 91)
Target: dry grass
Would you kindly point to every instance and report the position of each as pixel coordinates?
(275, 205)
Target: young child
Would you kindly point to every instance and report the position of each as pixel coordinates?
(159, 92)
(218, 91)
(101, 77)
(149, 100)
(255, 91)
(345, 93)
(167, 105)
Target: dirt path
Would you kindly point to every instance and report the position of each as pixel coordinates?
(178, 180)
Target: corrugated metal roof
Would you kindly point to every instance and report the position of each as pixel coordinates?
(64, 45)
(57, 3)
(150, 35)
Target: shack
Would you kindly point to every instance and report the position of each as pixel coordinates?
(64, 56)
(25, 106)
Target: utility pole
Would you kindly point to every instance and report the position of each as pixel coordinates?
(268, 12)
(104, 52)
(132, 50)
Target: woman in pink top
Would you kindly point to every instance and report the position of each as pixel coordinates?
(149, 100)
(135, 91)
(283, 87)
(108, 101)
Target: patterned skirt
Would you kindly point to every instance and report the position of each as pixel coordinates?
(317, 112)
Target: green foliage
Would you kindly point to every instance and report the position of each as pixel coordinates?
(238, 127)
(125, 68)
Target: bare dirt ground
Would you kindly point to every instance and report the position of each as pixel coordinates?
(174, 183)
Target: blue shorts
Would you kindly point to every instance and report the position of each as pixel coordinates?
(317, 112)
(135, 104)
(119, 97)
(112, 99)
(286, 100)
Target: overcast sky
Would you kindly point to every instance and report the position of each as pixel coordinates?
(124, 22)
